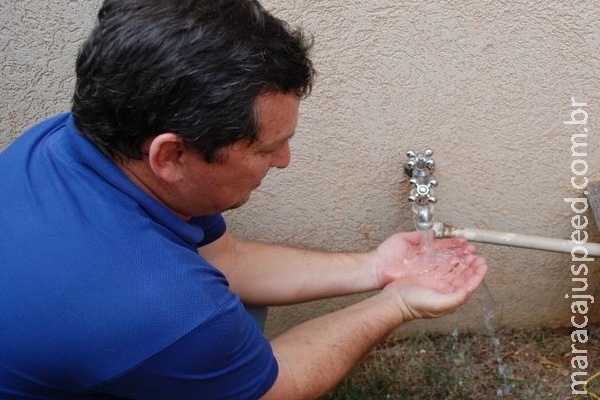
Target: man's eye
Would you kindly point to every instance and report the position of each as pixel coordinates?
(271, 149)
(265, 152)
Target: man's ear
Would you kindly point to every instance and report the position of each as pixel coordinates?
(165, 156)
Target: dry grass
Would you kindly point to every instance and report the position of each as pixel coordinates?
(441, 367)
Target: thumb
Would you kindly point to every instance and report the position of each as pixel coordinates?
(416, 237)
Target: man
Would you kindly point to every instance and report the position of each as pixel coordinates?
(117, 276)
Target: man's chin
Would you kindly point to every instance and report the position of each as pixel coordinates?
(238, 204)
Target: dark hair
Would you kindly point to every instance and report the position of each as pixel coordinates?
(191, 67)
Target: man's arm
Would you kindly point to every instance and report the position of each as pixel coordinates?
(314, 356)
(266, 274)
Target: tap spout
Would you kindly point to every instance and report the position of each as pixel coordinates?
(424, 217)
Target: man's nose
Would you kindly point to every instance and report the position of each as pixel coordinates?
(282, 156)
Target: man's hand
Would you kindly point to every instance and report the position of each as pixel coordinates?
(437, 280)
(428, 283)
(405, 254)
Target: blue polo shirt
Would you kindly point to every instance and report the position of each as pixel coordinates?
(102, 291)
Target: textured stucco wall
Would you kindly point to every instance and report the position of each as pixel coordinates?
(38, 44)
(486, 84)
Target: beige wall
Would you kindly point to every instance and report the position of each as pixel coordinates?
(486, 84)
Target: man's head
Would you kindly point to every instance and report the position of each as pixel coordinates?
(195, 68)
(190, 186)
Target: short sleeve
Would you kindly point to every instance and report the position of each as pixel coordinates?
(213, 226)
(226, 358)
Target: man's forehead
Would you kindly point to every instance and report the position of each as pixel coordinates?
(278, 116)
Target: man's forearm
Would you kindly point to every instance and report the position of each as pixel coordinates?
(265, 274)
(314, 356)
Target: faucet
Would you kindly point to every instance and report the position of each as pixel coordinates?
(419, 168)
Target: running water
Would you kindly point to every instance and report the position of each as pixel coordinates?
(427, 253)
(429, 258)
(491, 320)
(457, 355)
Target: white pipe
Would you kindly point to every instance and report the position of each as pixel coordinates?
(443, 230)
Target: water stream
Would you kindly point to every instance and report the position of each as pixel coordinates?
(429, 258)
(491, 321)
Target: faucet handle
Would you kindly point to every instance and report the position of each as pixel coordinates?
(422, 187)
(430, 199)
(430, 164)
(427, 160)
(411, 154)
(422, 190)
(419, 161)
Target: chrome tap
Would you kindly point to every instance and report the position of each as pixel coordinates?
(419, 168)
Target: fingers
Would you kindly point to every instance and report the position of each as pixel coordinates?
(416, 237)
(456, 243)
(432, 295)
(479, 272)
(453, 243)
(463, 275)
(469, 278)
(455, 263)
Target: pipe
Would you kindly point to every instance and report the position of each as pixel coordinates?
(443, 230)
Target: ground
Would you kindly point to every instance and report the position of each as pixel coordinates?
(535, 365)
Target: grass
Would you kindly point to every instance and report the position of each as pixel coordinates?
(537, 365)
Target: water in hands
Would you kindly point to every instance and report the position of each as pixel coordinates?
(434, 255)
